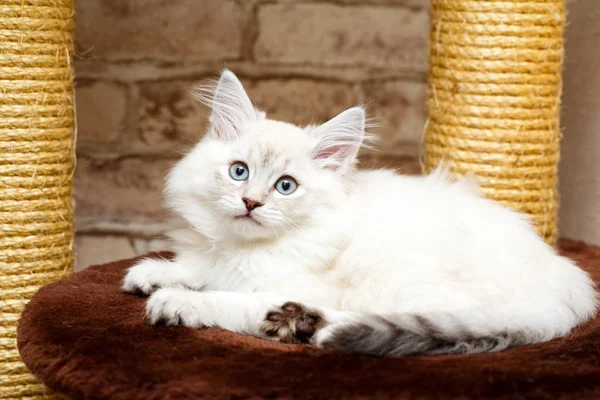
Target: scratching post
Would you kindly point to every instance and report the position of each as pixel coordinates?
(36, 166)
(494, 97)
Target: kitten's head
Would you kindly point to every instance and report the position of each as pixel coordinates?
(255, 178)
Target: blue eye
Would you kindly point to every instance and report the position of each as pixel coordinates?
(239, 171)
(286, 185)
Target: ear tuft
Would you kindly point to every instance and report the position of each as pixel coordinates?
(340, 139)
(230, 104)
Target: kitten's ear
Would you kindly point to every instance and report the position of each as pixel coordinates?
(339, 139)
(231, 106)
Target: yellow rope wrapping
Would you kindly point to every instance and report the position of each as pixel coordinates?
(36, 164)
(494, 99)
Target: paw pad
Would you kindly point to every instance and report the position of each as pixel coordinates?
(292, 323)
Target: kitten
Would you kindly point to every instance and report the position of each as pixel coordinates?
(287, 241)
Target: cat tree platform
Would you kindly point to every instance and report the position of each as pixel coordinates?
(84, 337)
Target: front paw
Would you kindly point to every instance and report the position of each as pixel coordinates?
(172, 306)
(142, 278)
(292, 323)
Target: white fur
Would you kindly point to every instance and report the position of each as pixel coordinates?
(346, 242)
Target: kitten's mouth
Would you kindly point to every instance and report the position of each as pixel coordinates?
(248, 217)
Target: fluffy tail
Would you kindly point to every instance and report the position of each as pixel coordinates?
(402, 335)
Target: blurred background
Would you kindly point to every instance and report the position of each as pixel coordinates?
(301, 61)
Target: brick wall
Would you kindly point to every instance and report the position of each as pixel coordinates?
(302, 61)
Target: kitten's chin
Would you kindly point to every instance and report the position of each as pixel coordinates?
(247, 219)
(249, 228)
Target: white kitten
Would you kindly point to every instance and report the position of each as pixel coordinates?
(287, 241)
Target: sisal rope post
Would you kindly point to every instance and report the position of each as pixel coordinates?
(494, 100)
(36, 166)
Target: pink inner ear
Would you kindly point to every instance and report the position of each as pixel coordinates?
(330, 151)
(220, 134)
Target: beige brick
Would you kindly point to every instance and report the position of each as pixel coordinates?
(302, 101)
(404, 165)
(156, 29)
(144, 246)
(101, 110)
(125, 191)
(140, 245)
(170, 120)
(334, 35)
(96, 249)
(399, 109)
(417, 4)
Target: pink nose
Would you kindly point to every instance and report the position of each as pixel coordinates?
(251, 204)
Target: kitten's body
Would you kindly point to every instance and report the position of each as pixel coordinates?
(378, 263)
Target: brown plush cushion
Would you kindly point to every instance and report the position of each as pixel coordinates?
(84, 337)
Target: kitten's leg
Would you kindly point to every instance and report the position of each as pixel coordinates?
(152, 273)
(237, 312)
(297, 323)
